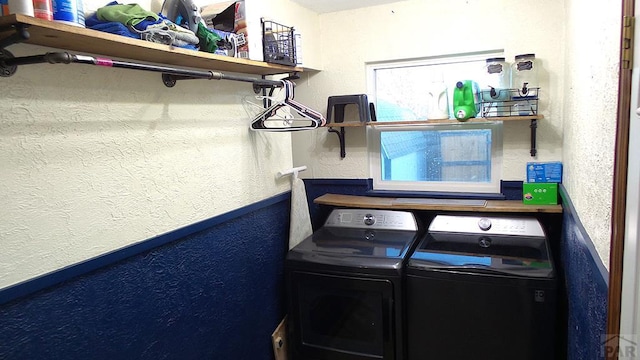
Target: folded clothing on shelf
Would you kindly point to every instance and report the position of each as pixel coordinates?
(133, 21)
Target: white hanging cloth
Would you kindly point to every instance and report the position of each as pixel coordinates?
(300, 220)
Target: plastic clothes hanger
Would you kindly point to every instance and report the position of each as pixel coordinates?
(270, 120)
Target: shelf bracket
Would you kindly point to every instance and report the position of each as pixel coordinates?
(340, 134)
(20, 35)
(534, 127)
(6, 70)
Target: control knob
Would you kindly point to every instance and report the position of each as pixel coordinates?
(369, 219)
(484, 224)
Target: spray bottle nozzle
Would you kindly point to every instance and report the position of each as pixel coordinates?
(493, 92)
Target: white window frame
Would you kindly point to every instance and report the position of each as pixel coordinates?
(375, 168)
(374, 132)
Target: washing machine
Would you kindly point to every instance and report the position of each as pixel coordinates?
(344, 282)
(481, 287)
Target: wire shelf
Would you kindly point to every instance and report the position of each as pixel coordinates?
(278, 43)
(509, 102)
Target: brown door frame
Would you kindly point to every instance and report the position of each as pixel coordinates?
(619, 196)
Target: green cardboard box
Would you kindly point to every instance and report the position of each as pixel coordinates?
(540, 193)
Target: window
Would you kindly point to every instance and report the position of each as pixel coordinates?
(447, 157)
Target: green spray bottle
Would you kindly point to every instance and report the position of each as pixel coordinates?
(465, 100)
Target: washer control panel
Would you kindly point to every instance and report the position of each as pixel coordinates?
(494, 225)
(372, 219)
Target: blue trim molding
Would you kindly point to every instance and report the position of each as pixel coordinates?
(212, 290)
(586, 281)
(511, 190)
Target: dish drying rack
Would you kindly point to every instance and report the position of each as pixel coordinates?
(509, 102)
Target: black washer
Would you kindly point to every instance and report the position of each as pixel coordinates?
(482, 288)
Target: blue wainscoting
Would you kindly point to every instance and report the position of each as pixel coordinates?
(586, 281)
(213, 290)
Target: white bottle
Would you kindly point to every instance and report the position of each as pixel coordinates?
(438, 101)
(24, 7)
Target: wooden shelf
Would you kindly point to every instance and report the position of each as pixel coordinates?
(348, 124)
(342, 125)
(371, 202)
(444, 121)
(63, 36)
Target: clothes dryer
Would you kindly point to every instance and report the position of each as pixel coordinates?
(345, 287)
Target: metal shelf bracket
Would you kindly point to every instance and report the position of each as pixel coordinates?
(534, 127)
(340, 134)
(20, 35)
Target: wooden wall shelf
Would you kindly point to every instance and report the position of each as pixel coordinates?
(371, 202)
(63, 36)
(431, 122)
(533, 118)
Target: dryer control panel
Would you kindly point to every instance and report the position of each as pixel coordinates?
(494, 225)
(372, 219)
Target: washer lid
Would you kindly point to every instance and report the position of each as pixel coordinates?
(513, 255)
(358, 242)
(360, 238)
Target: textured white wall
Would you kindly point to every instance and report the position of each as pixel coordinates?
(95, 159)
(576, 44)
(288, 13)
(415, 29)
(591, 78)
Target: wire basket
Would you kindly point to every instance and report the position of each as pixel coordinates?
(278, 43)
(509, 102)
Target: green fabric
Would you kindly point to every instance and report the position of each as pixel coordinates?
(208, 39)
(128, 14)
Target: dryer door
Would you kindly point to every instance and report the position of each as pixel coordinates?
(340, 317)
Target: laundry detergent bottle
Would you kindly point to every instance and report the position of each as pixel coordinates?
(465, 100)
(438, 101)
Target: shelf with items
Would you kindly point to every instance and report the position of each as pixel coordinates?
(63, 36)
(509, 102)
(431, 122)
(449, 121)
(532, 118)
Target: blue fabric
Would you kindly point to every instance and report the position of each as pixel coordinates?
(112, 27)
(92, 22)
(145, 23)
